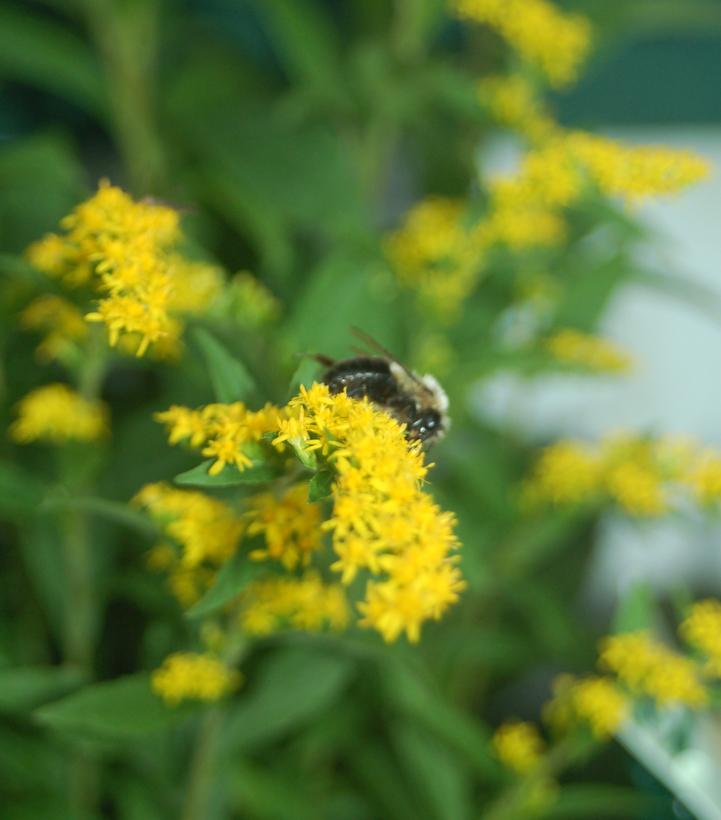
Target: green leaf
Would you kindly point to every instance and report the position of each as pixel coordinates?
(20, 492)
(358, 283)
(26, 687)
(40, 181)
(305, 374)
(592, 800)
(437, 773)
(413, 697)
(637, 609)
(122, 709)
(320, 485)
(305, 41)
(228, 476)
(236, 573)
(230, 378)
(293, 687)
(36, 50)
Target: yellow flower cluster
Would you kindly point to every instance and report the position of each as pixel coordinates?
(57, 414)
(634, 172)
(518, 745)
(567, 472)
(648, 667)
(193, 676)
(289, 524)
(512, 101)
(555, 174)
(594, 700)
(206, 529)
(305, 603)
(573, 347)
(123, 249)
(702, 629)
(437, 251)
(555, 42)
(704, 477)
(249, 301)
(382, 522)
(640, 474)
(60, 321)
(224, 431)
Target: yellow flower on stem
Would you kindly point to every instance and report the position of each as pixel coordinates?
(57, 414)
(702, 629)
(194, 676)
(518, 745)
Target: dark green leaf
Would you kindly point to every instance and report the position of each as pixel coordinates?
(305, 374)
(578, 800)
(320, 485)
(439, 776)
(122, 709)
(304, 38)
(413, 697)
(230, 378)
(20, 492)
(292, 687)
(36, 50)
(23, 688)
(236, 573)
(228, 476)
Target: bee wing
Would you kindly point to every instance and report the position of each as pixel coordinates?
(378, 347)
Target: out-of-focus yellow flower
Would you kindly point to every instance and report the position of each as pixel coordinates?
(57, 414)
(703, 476)
(195, 285)
(556, 42)
(635, 172)
(638, 489)
(248, 301)
(436, 251)
(206, 529)
(648, 667)
(567, 472)
(512, 102)
(290, 525)
(702, 629)
(305, 603)
(518, 745)
(596, 701)
(60, 321)
(194, 676)
(591, 352)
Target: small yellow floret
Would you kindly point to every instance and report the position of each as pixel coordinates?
(648, 667)
(555, 42)
(591, 352)
(597, 701)
(61, 322)
(193, 676)
(518, 745)
(57, 414)
(702, 630)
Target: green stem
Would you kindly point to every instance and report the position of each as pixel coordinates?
(105, 508)
(125, 35)
(202, 767)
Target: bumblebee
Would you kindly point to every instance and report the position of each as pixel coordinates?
(419, 402)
